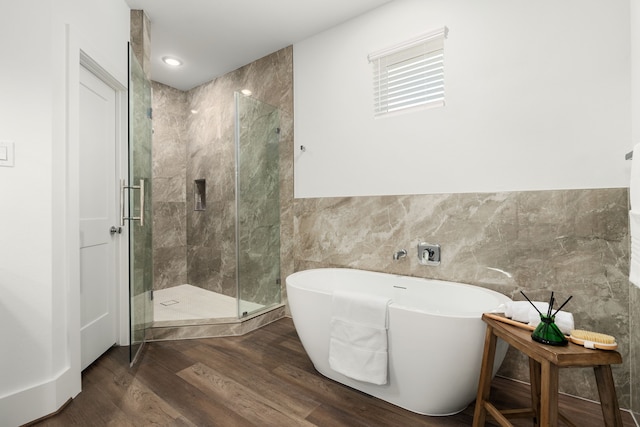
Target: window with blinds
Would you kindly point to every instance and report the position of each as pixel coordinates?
(410, 74)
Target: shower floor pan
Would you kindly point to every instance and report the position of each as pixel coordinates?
(188, 302)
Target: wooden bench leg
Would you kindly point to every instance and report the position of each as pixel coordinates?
(608, 398)
(484, 385)
(548, 394)
(534, 378)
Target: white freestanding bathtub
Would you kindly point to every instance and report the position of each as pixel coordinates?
(435, 335)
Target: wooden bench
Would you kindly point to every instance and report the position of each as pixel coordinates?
(544, 363)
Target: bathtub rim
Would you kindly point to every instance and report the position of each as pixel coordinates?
(502, 297)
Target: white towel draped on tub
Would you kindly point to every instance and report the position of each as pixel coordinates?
(358, 336)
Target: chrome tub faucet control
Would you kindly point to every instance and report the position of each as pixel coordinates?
(428, 254)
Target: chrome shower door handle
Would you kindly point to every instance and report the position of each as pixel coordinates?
(123, 188)
(141, 188)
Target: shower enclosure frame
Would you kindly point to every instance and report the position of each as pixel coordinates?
(135, 209)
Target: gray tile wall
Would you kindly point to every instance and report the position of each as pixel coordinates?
(169, 186)
(634, 346)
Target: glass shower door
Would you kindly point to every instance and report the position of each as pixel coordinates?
(138, 194)
(258, 205)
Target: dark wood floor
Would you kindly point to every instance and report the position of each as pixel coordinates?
(261, 379)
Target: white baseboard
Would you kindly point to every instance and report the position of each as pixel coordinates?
(40, 400)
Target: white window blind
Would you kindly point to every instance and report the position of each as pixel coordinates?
(410, 74)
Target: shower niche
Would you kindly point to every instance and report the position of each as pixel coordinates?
(200, 193)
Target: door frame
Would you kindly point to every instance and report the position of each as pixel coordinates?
(122, 171)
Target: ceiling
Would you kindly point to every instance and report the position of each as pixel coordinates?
(213, 37)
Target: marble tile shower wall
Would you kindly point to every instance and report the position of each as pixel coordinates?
(198, 247)
(573, 242)
(169, 186)
(210, 157)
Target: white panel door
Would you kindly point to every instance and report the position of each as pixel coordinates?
(97, 216)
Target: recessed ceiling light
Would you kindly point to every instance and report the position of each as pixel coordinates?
(246, 92)
(174, 62)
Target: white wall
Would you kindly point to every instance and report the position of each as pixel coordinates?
(25, 196)
(537, 98)
(634, 344)
(39, 290)
(635, 70)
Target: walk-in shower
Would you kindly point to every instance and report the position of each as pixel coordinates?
(231, 217)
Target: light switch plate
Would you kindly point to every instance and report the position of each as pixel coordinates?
(7, 153)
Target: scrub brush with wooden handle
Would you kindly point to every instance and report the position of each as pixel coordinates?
(593, 340)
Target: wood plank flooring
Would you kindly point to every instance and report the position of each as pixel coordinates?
(263, 378)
